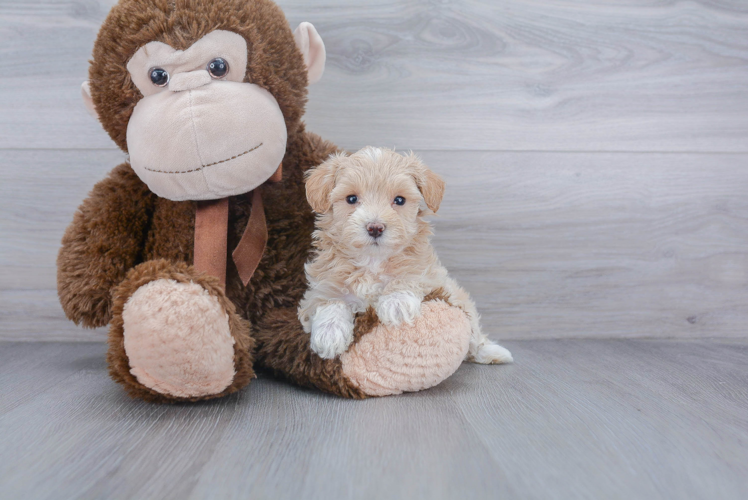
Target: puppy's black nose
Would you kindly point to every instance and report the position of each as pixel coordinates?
(375, 230)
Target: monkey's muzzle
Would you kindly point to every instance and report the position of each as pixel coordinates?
(217, 140)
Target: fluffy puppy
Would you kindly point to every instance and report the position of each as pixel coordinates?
(372, 249)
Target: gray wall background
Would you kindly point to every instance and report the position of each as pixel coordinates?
(596, 153)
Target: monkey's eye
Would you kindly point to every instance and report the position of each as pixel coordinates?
(218, 68)
(399, 200)
(159, 77)
(351, 199)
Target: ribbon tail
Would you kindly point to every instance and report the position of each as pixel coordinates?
(248, 252)
(211, 226)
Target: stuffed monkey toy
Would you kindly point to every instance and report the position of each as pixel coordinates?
(193, 250)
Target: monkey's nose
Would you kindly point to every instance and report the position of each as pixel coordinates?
(189, 80)
(375, 230)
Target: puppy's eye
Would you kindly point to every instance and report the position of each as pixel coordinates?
(159, 77)
(351, 199)
(399, 200)
(218, 68)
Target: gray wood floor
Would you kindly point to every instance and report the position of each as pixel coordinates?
(571, 419)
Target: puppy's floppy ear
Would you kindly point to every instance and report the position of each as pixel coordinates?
(320, 181)
(430, 184)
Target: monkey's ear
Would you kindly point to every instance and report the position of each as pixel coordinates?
(313, 49)
(320, 181)
(429, 183)
(87, 101)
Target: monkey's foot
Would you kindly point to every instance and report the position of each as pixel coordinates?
(409, 357)
(175, 336)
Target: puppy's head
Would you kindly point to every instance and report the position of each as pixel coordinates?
(373, 201)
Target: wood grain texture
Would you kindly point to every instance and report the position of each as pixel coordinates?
(571, 419)
(567, 75)
(598, 245)
(41, 191)
(551, 245)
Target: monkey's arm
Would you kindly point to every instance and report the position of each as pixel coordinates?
(102, 243)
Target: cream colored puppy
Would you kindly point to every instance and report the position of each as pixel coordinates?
(372, 249)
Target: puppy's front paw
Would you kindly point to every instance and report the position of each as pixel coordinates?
(492, 354)
(332, 330)
(398, 307)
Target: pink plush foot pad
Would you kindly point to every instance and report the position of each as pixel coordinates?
(409, 358)
(177, 339)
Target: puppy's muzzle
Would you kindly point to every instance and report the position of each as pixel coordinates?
(375, 229)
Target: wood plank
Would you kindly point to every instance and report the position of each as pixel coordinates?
(468, 74)
(598, 245)
(633, 405)
(21, 365)
(550, 245)
(584, 419)
(41, 191)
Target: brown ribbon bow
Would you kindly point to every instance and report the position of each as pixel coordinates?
(211, 237)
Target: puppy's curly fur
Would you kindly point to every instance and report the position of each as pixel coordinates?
(372, 249)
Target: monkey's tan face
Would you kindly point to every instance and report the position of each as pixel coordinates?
(200, 132)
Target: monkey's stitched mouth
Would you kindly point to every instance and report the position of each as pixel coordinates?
(203, 166)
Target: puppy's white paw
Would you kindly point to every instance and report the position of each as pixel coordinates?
(492, 354)
(332, 330)
(399, 307)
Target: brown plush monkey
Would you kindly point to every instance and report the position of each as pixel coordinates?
(206, 97)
